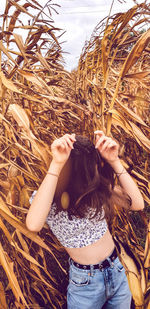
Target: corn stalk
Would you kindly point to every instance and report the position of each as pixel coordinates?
(113, 75)
(38, 100)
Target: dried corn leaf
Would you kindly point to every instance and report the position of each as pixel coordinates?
(135, 52)
(37, 271)
(31, 77)
(8, 83)
(135, 276)
(22, 228)
(20, 44)
(138, 75)
(4, 50)
(139, 135)
(21, 117)
(27, 256)
(5, 230)
(147, 249)
(8, 267)
(3, 302)
(76, 101)
(5, 209)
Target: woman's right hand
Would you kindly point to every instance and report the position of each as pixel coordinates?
(62, 147)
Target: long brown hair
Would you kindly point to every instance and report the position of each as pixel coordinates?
(91, 183)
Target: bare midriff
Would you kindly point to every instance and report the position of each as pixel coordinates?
(94, 253)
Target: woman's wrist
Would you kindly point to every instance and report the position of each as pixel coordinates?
(116, 165)
(118, 168)
(55, 168)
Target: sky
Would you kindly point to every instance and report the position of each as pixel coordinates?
(78, 19)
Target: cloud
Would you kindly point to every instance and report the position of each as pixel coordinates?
(78, 19)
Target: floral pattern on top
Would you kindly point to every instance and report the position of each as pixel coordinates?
(75, 233)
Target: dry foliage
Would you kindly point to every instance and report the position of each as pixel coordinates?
(113, 78)
(39, 101)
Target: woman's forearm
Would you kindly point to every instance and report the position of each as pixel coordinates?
(39, 209)
(43, 199)
(128, 185)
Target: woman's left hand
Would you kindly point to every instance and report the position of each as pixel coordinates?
(107, 147)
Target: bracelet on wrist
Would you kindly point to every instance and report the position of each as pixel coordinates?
(123, 172)
(53, 174)
(115, 160)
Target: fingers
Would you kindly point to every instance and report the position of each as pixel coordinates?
(100, 141)
(100, 138)
(68, 140)
(65, 142)
(99, 132)
(103, 142)
(109, 143)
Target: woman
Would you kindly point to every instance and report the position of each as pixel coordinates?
(75, 199)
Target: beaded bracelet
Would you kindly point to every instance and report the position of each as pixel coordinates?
(52, 174)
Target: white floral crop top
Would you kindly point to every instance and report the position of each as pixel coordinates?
(75, 233)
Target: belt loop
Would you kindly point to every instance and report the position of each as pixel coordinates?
(110, 262)
(70, 261)
(101, 267)
(91, 270)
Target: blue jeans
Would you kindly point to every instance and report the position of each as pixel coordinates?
(96, 289)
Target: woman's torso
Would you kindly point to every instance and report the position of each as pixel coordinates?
(87, 241)
(94, 253)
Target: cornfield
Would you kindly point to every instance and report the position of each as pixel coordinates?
(40, 101)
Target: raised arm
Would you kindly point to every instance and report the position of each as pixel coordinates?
(43, 199)
(108, 149)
